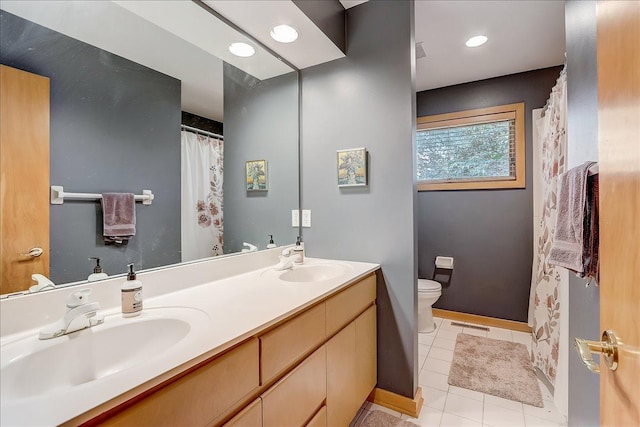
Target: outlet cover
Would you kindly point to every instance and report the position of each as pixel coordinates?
(306, 218)
(295, 218)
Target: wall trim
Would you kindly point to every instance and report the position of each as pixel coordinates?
(397, 402)
(482, 320)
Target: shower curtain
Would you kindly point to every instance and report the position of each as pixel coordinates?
(549, 284)
(201, 210)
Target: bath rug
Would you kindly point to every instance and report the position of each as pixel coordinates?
(496, 367)
(377, 418)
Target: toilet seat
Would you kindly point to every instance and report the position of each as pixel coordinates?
(425, 285)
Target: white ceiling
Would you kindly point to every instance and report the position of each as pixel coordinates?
(523, 36)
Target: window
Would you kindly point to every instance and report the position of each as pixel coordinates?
(475, 149)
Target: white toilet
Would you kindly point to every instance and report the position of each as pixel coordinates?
(428, 293)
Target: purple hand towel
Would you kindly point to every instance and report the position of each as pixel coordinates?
(568, 240)
(119, 217)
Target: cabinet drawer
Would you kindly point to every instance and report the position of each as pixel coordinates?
(202, 396)
(291, 341)
(294, 399)
(344, 307)
(251, 416)
(319, 419)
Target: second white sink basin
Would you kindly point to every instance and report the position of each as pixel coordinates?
(32, 368)
(314, 272)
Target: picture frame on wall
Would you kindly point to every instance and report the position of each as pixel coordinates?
(256, 175)
(352, 167)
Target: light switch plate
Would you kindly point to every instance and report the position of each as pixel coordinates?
(295, 218)
(306, 218)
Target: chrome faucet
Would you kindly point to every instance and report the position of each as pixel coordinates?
(81, 315)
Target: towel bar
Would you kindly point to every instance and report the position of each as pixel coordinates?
(58, 195)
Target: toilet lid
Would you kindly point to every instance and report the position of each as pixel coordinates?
(428, 285)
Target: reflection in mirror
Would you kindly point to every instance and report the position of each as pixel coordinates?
(115, 104)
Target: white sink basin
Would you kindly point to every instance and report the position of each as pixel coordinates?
(32, 368)
(309, 273)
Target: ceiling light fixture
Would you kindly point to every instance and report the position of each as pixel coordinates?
(241, 49)
(476, 41)
(284, 33)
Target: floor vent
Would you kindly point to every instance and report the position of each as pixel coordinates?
(464, 325)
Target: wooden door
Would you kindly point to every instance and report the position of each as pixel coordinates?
(618, 41)
(24, 177)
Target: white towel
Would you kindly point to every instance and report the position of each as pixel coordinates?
(567, 244)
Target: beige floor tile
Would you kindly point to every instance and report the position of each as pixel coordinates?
(447, 334)
(500, 334)
(444, 343)
(433, 379)
(426, 339)
(428, 417)
(500, 416)
(437, 365)
(450, 420)
(433, 397)
(549, 412)
(505, 403)
(531, 421)
(464, 407)
(423, 349)
(440, 353)
(465, 392)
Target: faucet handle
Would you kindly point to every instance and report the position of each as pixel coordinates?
(78, 298)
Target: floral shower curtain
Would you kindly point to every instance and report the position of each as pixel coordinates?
(201, 201)
(548, 283)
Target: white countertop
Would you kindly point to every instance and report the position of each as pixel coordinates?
(237, 307)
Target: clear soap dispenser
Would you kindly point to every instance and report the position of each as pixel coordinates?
(271, 244)
(131, 294)
(98, 273)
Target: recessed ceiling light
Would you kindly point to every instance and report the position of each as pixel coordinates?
(284, 33)
(241, 49)
(476, 41)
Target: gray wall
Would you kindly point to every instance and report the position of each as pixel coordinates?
(115, 127)
(260, 123)
(582, 142)
(488, 232)
(367, 100)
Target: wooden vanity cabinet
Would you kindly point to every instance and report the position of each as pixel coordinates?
(315, 369)
(201, 397)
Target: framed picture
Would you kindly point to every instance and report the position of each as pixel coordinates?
(257, 175)
(352, 167)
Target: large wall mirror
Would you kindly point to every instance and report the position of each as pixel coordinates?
(125, 76)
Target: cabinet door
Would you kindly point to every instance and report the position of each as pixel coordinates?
(293, 400)
(342, 398)
(366, 353)
(319, 419)
(351, 368)
(251, 416)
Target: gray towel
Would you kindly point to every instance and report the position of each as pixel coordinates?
(119, 217)
(568, 240)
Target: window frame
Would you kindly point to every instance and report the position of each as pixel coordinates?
(477, 116)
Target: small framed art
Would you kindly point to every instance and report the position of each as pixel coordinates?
(352, 167)
(257, 175)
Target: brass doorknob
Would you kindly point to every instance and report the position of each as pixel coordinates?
(607, 348)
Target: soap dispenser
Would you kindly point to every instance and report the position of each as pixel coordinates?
(298, 249)
(271, 244)
(131, 295)
(98, 273)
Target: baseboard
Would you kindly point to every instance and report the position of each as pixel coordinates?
(482, 320)
(397, 402)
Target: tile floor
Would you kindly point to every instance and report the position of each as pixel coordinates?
(446, 405)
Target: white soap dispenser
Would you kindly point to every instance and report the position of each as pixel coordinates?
(271, 244)
(98, 273)
(131, 295)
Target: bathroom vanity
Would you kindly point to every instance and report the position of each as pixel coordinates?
(264, 348)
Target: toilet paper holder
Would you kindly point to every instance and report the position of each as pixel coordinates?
(444, 267)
